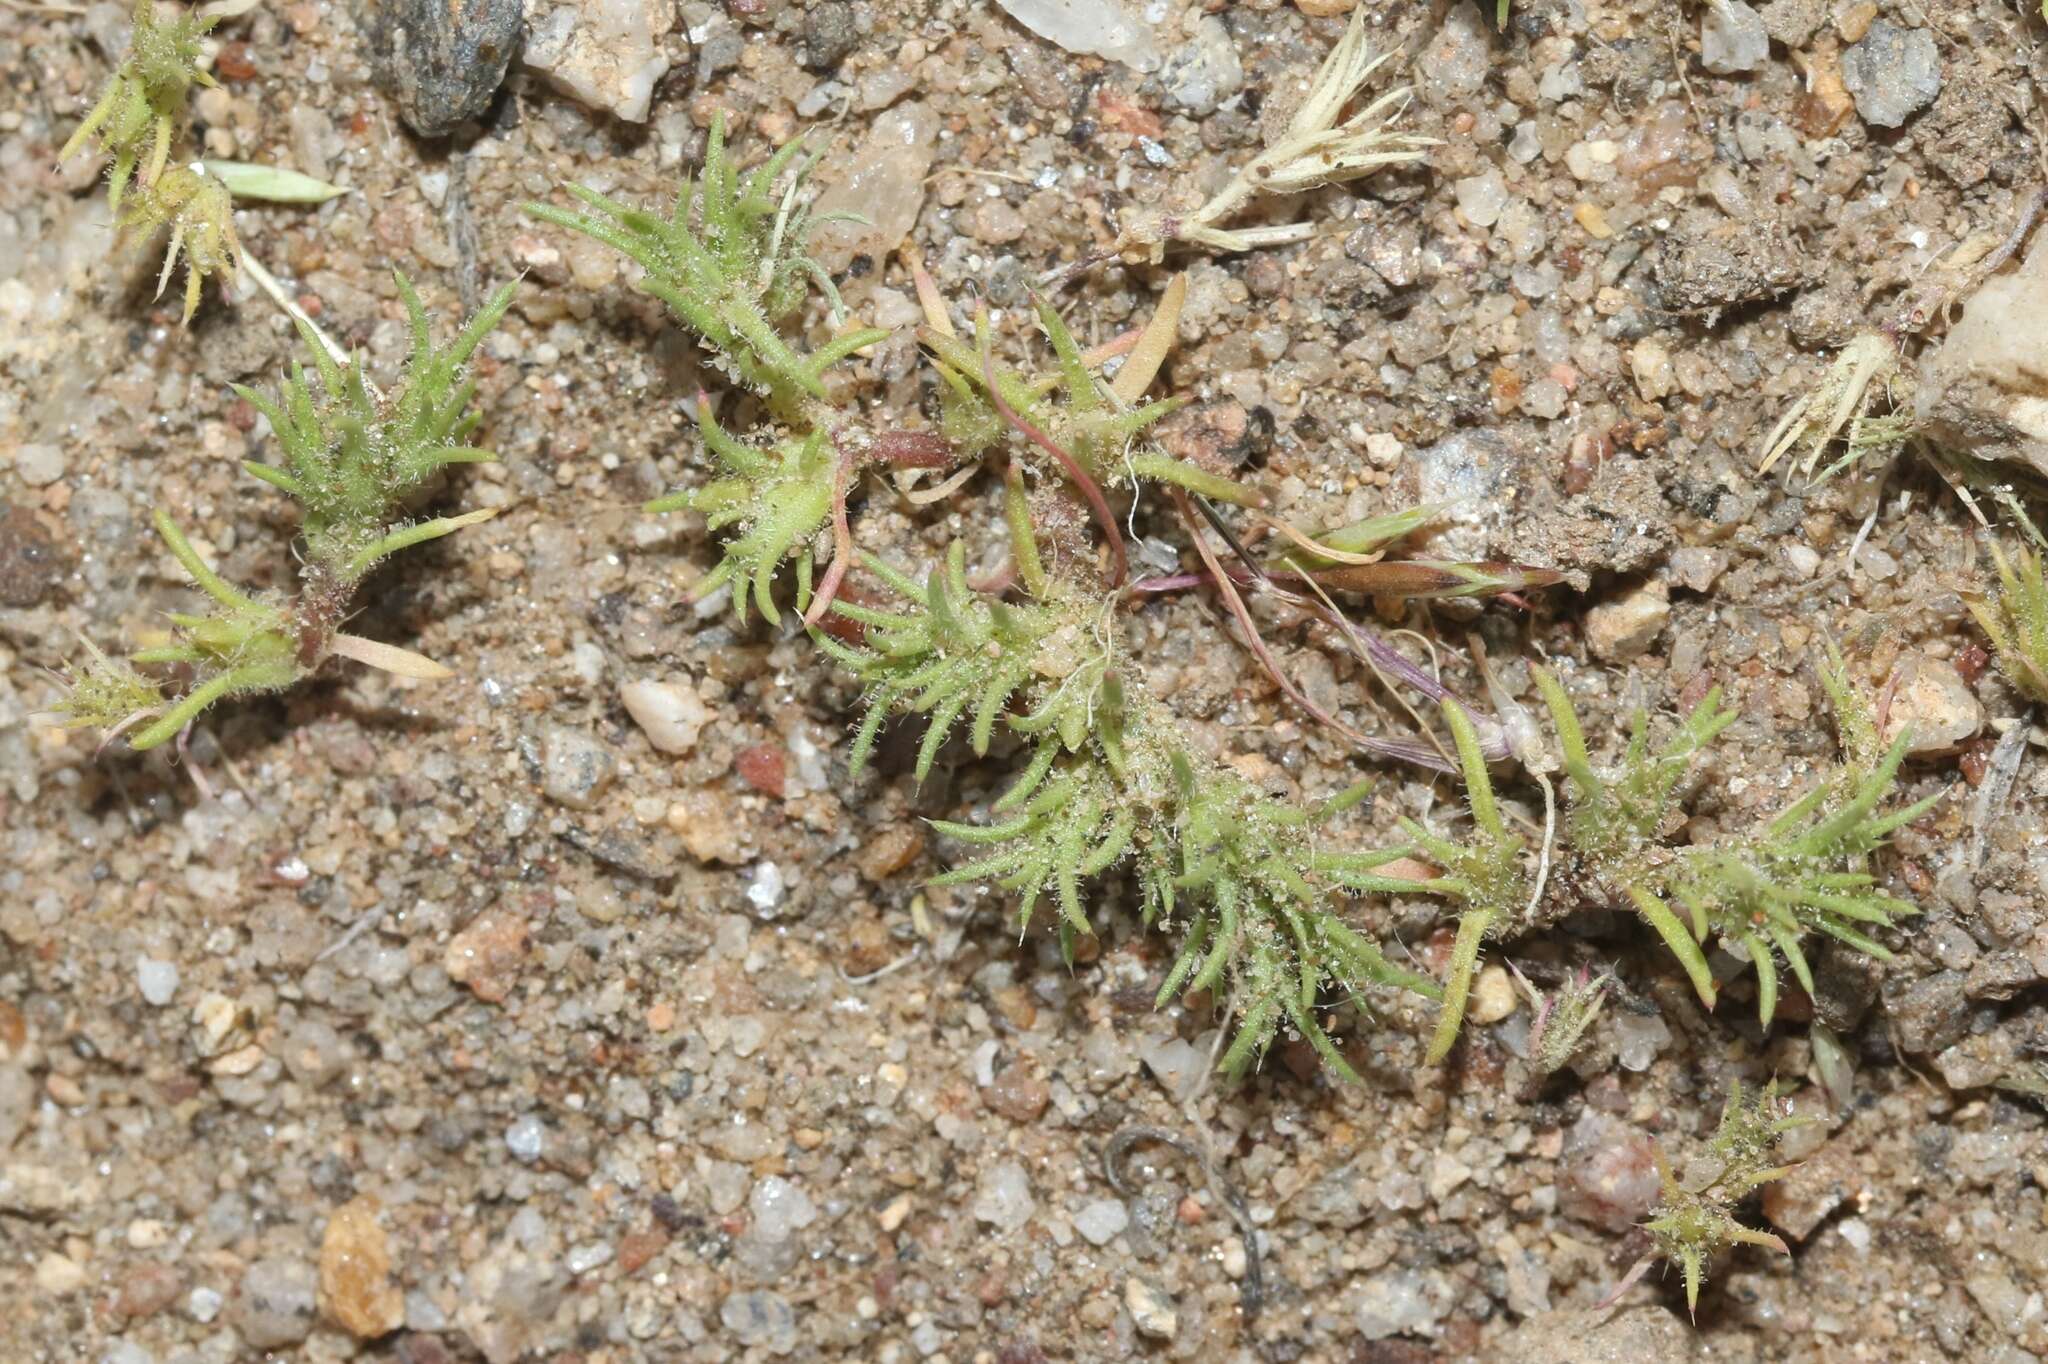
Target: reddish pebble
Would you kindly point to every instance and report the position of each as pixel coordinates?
(1971, 661)
(761, 767)
(1124, 116)
(487, 955)
(1609, 1178)
(233, 62)
(636, 1248)
(1017, 1093)
(1976, 761)
(991, 1289)
(1190, 1212)
(147, 1290)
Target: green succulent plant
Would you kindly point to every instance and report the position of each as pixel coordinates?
(956, 654)
(1074, 413)
(199, 215)
(729, 261)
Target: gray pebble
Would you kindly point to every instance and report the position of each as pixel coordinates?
(275, 1305)
(1732, 38)
(17, 1100)
(526, 1138)
(1204, 72)
(442, 63)
(760, 1318)
(1894, 73)
(583, 1259)
(575, 767)
(1003, 1196)
(1930, 1013)
(39, 463)
(158, 980)
(1102, 1221)
(780, 1208)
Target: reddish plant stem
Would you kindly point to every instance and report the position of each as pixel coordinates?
(1097, 503)
(905, 449)
(1253, 640)
(842, 535)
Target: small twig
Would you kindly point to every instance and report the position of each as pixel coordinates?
(1202, 1151)
(269, 284)
(916, 951)
(1253, 639)
(362, 925)
(1252, 1291)
(191, 764)
(1999, 775)
(1549, 837)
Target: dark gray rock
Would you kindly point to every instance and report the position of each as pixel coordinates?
(1707, 263)
(441, 61)
(1930, 1013)
(2000, 975)
(31, 562)
(830, 35)
(1794, 22)
(1844, 986)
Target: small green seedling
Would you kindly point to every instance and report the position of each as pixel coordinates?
(1111, 780)
(354, 461)
(1562, 1017)
(272, 184)
(1695, 1218)
(2014, 617)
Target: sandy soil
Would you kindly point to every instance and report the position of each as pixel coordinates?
(617, 1054)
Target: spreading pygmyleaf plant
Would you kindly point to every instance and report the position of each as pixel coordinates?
(1259, 893)
(1762, 893)
(353, 460)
